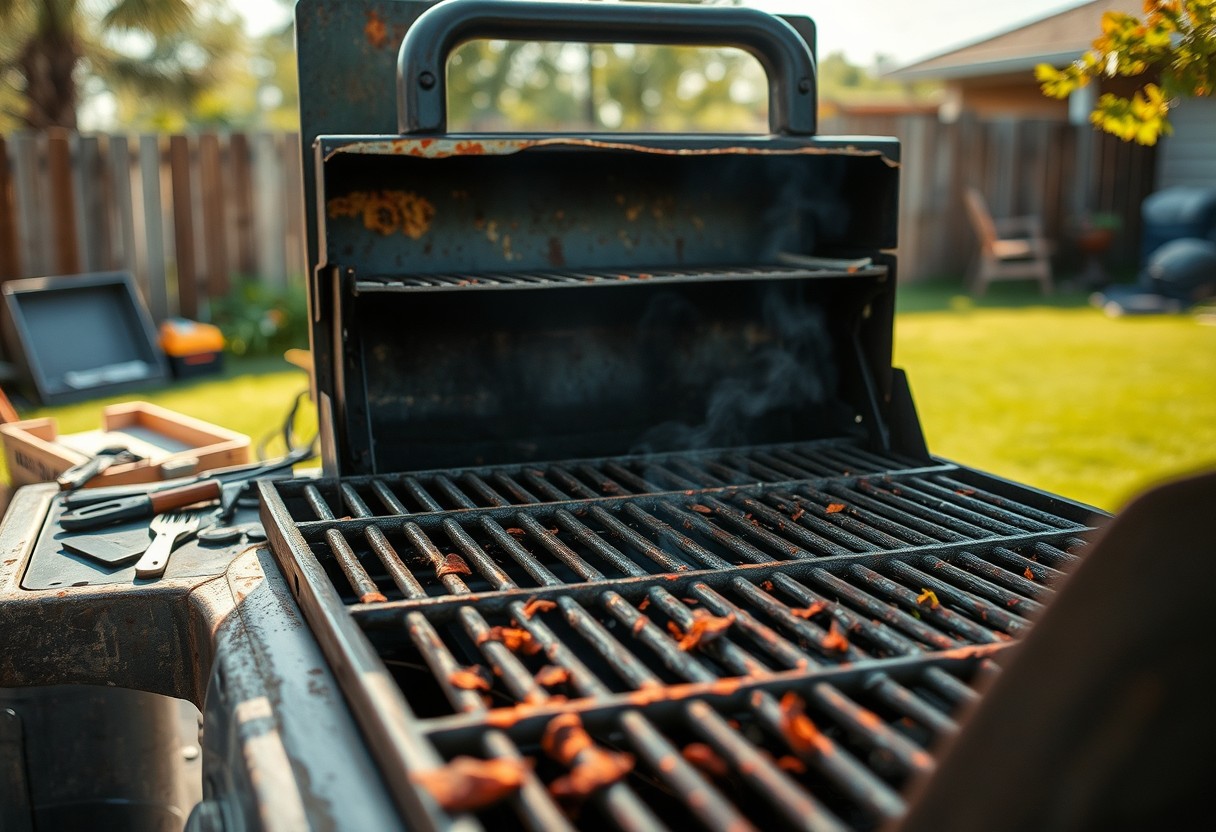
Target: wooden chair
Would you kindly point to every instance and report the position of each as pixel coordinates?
(1010, 248)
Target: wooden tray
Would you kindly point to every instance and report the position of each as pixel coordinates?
(173, 445)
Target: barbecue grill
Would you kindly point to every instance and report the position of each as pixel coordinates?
(626, 518)
(614, 447)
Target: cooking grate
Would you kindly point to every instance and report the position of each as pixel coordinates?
(505, 485)
(671, 601)
(549, 278)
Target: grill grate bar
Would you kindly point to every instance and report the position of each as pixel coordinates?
(885, 587)
(886, 532)
(868, 729)
(808, 462)
(799, 618)
(954, 691)
(354, 503)
(534, 803)
(317, 503)
(1015, 562)
(816, 541)
(871, 605)
(420, 494)
(973, 565)
(1022, 516)
(683, 781)
(830, 759)
(922, 529)
(365, 588)
(949, 504)
(892, 496)
(388, 499)
(396, 568)
(483, 490)
(1059, 558)
(963, 601)
(977, 584)
(739, 547)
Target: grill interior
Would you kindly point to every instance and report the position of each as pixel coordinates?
(695, 601)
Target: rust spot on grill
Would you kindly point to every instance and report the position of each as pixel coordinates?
(566, 741)
(470, 148)
(971, 651)
(1029, 575)
(453, 565)
(835, 508)
(371, 598)
(791, 764)
(705, 760)
(801, 511)
(639, 624)
(700, 509)
(835, 639)
(375, 31)
(515, 639)
(551, 676)
(869, 719)
(704, 629)
(385, 212)
(536, 605)
(799, 731)
(565, 738)
(807, 612)
(557, 257)
(644, 604)
(725, 687)
(467, 784)
(471, 678)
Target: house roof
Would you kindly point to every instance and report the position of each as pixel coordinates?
(1057, 40)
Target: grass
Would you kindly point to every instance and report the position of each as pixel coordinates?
(1058, 395)
(1050, 392)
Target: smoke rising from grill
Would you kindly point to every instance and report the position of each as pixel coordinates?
(787, 370)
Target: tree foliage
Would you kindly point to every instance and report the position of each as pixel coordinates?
(1175, 41)
(163, 50)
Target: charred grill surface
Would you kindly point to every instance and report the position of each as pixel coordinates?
(751, 637)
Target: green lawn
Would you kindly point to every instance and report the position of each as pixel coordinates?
(1060, 397)
(1057, 396)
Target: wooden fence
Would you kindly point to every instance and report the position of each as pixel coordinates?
(1055, 171)
(189, 214)
(186, 214)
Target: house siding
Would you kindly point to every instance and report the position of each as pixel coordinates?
(1189, 156)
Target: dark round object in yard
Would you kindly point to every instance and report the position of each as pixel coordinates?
(1183, 269)
(1176, 213)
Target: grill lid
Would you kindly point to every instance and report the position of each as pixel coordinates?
(682, 291)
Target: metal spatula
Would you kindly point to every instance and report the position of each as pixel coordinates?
(169, 528)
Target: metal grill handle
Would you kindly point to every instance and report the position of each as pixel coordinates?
(421, 63)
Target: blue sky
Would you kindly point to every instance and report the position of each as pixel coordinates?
(905, 29)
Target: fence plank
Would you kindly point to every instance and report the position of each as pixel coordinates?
(242, 205)
(152, 241)
(268, 208)
(63, 203)
(122, 240)
(93, 188)
(213, 193)
(183, 227)
(10, 264)
(296, 246)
